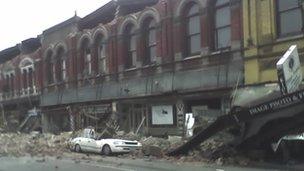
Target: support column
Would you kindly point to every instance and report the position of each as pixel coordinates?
(3, 116)
(72, 119)
(180, 116)
(45, 122)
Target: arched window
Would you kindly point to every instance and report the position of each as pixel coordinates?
(61, 65)
(87, 57)
(130, 43)
(289, 17)
(30, 80)
(28, 76)
(49, 68)
(149, 32)
(222, 24)
(9, 75)
(193, 30)
(102, 57)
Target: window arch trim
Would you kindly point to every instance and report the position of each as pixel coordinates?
(130, 19)
(184, 3)
(149, 13)
(23, 64)
(82, 39)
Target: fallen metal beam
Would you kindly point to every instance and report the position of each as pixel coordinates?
(220, 124)
(286, 102)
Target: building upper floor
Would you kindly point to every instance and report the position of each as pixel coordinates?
(19, 70)
(270, 28)
(127, 39)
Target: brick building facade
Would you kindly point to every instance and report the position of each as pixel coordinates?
(140, 62)
(21, 81)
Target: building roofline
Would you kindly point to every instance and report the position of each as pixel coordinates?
(72, 20)
(101, 15)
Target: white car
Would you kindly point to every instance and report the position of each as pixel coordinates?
(88, 143)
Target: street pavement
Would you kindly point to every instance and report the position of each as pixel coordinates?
(105, 164)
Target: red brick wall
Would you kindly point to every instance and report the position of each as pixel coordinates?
(236, 22)
(72, 66)
(170, 39)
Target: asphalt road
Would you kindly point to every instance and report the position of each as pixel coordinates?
(52, 164)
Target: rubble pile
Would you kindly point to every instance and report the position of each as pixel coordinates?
(154, 146)
(34, 144)
(214, 150)
(129, 136)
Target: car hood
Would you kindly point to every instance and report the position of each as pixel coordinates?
(112, 140)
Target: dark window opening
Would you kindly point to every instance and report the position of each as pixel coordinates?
(61, 65)
(193, 30)
(130, 42)
(30, 80)
(222, 24)
(150, 41)
(289, 17)
(49, 68)
(102, 57)
(86, 58)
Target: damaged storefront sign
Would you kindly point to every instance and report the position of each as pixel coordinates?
(189, 124)
(289, 71)
(273, 107)
(162, 115)
(278, 104)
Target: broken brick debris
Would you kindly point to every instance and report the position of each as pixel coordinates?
(34, 144)
(41, 145)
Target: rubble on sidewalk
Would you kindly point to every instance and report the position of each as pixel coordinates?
(129, 136)
(152, 150)
(37, 144)
(212, 151)
(34, 144)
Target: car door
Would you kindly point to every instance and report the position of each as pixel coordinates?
(84, 144)
(92, 145)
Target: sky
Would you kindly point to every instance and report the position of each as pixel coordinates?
(23, 19)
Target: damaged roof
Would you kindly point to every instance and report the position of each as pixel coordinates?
(26, 46)
(73, 20)
(9, 53)
(103, 14)
(30, 45)
(106, 13)
(136, 2)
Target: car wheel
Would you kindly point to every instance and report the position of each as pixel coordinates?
(77, 148)
(106, 150)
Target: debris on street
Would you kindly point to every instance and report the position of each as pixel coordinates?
(34, 144)
(37, 144)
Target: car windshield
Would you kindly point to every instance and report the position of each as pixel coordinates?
(89, 133)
